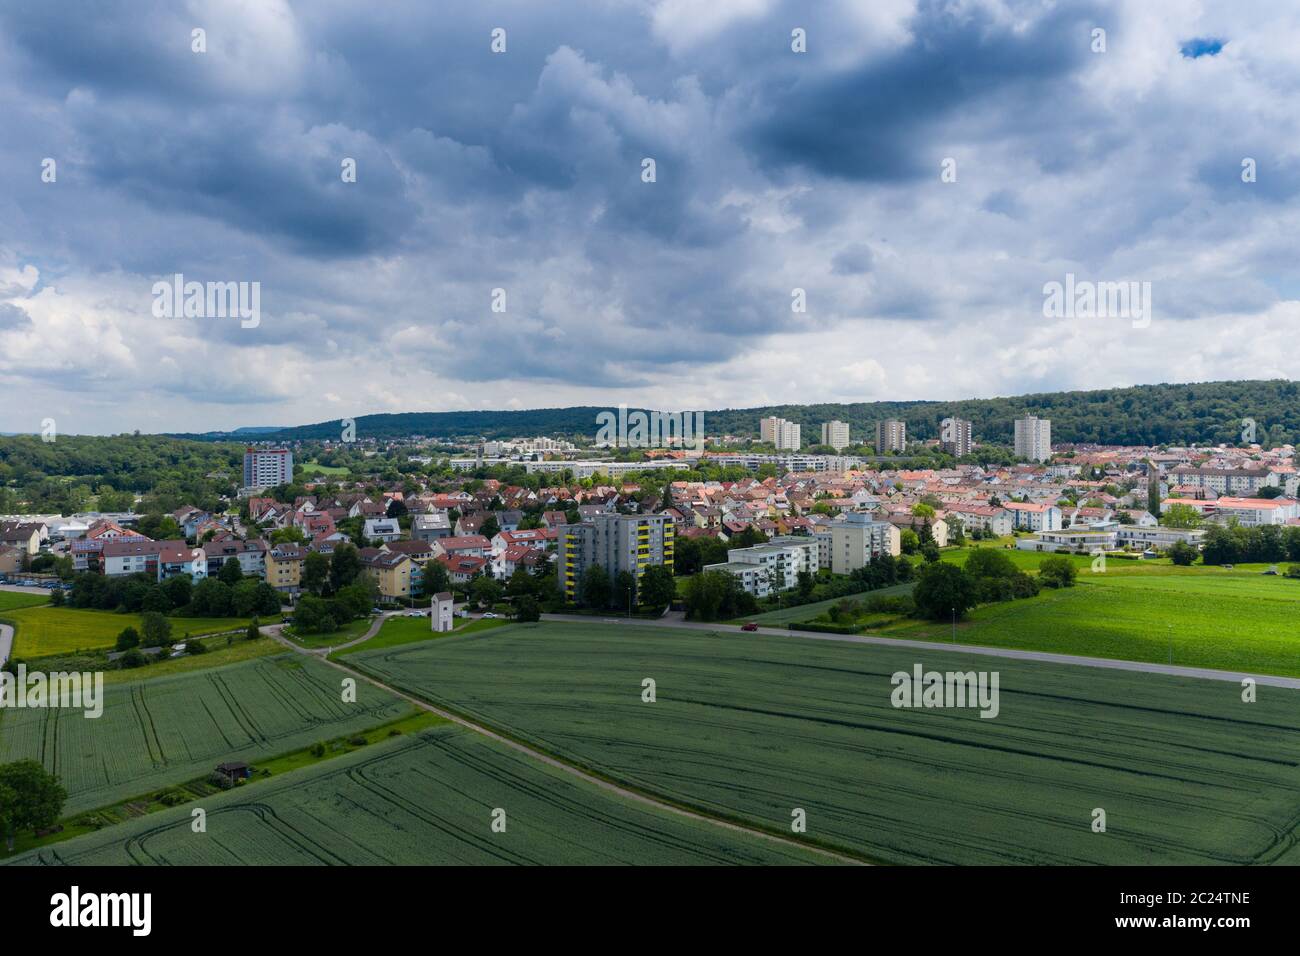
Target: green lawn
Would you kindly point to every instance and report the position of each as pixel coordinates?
(316, 468)
(349, 632)
(219, 655)
(1186, 771)
(12, 600)
(1209, 617)
(45, 631)
(398, 631)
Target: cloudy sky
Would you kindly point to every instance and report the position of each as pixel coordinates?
(523, 171)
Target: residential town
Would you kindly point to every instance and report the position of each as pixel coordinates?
(796, 512)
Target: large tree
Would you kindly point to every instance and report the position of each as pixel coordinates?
(345, 565)
(658, 586)
(943, 590)
(30, 798)
(315, 573)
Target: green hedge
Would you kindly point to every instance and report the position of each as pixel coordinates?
(828, 628)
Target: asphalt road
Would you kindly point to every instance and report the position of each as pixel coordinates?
(1007, 652)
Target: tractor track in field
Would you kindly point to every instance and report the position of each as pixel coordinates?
(605, 785)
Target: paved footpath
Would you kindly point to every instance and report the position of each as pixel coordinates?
(1174, 670)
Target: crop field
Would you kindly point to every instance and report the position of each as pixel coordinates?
(1195, 618)
(11, 600)
(426, 798)
(752, 726)
(172, 729)
(44, 631)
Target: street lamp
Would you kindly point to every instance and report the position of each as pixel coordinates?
(954, 625)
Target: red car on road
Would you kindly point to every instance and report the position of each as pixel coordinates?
(751, 626)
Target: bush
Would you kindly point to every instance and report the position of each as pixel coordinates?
(527, 608)
(128, 639)
(1057, 572)
(824, 628)
(195, 647)
(132, 659)
(891, 604)
(358, 741)
(317, 749)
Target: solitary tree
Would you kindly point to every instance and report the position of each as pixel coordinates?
(30, 798)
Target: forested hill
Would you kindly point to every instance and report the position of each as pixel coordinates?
(1207, 412)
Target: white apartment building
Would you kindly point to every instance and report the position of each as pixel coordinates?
(776, 563)
(1251, 512)
(1034, 438)
(1086, 540)
(1031, 517)
(997, 521)
(860, 539)
(836, 434)
(1161, 539)
(781, 433)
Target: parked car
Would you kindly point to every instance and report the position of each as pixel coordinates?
(751, 626)
(490, 614)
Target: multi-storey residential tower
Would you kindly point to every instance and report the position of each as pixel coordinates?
(955, 436)
(891, 435)
(266, 467)
(616, 543)
(781, 433)
(836, 434)
(1034, 438)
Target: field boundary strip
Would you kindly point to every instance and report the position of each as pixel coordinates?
(1012, 653)
(604, 783)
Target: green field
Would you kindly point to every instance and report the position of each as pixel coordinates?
(426, 798)
(398, 631)
(11, 600)
(171, 729)
(316, 468)
(752, 726)
(348, 632)
(44, 631)
(1196, 617)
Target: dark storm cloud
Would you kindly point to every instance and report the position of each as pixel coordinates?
(877, 122)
